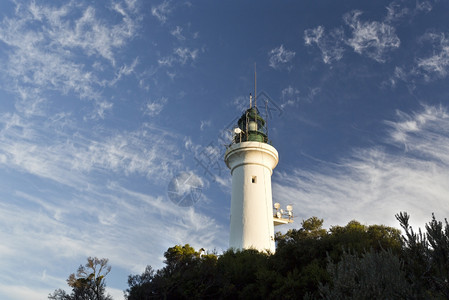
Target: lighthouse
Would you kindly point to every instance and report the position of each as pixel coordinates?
(251, 160)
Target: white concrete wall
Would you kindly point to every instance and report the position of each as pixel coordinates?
(251, 203)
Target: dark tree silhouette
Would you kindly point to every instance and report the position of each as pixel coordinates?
(88, 283)
(345, 262)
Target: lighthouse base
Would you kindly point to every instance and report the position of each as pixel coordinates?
(251, 165)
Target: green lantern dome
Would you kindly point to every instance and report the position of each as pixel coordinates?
(251, 127)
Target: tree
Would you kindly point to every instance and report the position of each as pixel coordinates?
(360, 238)
(239, 274)
(374, 275)
(187, 274)
(300, 260)
(88, 283)
(301, 257)
(426, 257)
(296, 271)
(140, 286)
(438, 237)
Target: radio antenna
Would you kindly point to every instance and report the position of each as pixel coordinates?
(266, 115)
(255, 86)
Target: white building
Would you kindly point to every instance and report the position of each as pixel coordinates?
(251, 160)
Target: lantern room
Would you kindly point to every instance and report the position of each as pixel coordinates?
(251, 127)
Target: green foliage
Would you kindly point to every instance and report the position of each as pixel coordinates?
(236, 272)
(187, 275)
(355, 261)
(357, 237)
(88, 283)
(426, 258)
(304, 253)
(313, 227)
(294, 271)
(374, 275)
(438, 237)
(140, 286)
(60, 294)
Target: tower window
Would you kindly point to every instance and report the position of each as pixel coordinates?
(254, 179)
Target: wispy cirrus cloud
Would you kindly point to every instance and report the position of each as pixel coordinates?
(280, 58)
(205, 124)
(409, 173)
(154, 107)
(330, 44)
(108, 219)
(161, 11)
(240, 103)
(48, 50)
(93, 215)
(290, 96)
(438, 63)
(373, 39)
(71, 159)
(87, 32)
(431, 65)
(181, 55)
(186, 54)
(398, 10)
(72, 210)
(177, 33)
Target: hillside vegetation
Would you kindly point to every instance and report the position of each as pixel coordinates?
(345, 262)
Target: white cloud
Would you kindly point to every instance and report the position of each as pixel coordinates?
(373, 39)
(438, 63)
(424, 133)
(154, 107)
(166, 61)
(425, 6)
(32, 234)
(185, 54)
(177, 33)
(329, 44)
(18, 292)
(71, 159)
(161, 11)
(290, 96)
(181, 56)
(48, 51)
(185, 188)
(398, 11)
(115, 293)
(427, 68)
(376, 183)
(241, 103)
(29, 102)
(395, 12)
(205, 124)
(90, 215)
(100, 109)
(124, 70)
(280, 57)
(92, 35)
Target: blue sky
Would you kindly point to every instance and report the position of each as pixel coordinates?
(103, 103)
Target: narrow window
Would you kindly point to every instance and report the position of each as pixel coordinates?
(254, 179)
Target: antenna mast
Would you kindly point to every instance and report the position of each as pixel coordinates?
(266, 115)
(255, 86)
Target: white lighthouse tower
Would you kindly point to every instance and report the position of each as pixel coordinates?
(252, 159)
